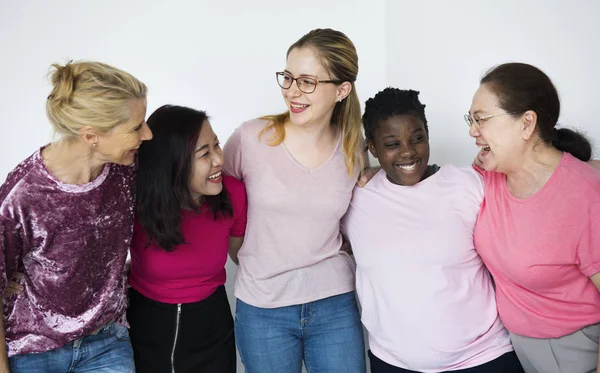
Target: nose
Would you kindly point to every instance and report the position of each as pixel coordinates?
(407, 151)
(293, 91)
(474, 131)
(217, 159)
(145, 133)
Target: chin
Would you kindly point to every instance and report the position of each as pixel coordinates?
(489, 166)
(296, 120)
(214, 190)
(125, 161)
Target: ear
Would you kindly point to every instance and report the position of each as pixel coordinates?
(89, 135)
(529, 119)
(344, 90)
(372, 149)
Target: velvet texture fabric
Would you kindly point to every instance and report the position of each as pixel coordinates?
(71, 243)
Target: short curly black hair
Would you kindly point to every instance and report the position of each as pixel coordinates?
(388, 103)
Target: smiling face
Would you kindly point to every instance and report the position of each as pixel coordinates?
(309, 108)
(500, 136)
(401, 144)
(206, 178)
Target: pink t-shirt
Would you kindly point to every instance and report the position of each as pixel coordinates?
(291, 252)
(427, 300)
(195, 269)
(542, 250)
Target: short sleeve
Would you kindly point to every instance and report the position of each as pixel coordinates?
(588, 249)
(239, 200)
(232, 155)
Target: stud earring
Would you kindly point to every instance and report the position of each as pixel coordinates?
(94, 144)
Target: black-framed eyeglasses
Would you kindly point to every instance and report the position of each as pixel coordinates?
(478, 121)
(306, 84)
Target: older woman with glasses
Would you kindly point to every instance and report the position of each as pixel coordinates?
(538, 230)
(295, 285)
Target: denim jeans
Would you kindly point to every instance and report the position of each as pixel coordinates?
(107, 351)
(325, 334)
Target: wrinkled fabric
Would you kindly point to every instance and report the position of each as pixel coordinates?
(71, 243)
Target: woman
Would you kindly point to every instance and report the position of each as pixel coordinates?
(538, 229)
(427, 300)
(188, 215)
(66, 216)
(294, 285)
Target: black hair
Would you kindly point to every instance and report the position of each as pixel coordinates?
(389, 103)
(164, 171)
(521, 87)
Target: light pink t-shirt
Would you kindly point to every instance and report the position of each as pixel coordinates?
(427, 300)
(542, 250)
(291, 252)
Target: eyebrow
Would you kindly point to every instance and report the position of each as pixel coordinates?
(301, 75)
(205, 146)
(393, 136)
(139, 125)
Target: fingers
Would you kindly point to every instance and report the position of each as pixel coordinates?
(478, 161)
(13, 289)
(367, 175)
(362, 181)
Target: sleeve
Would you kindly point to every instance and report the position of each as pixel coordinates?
(240, 208)
(588, 248)
(10, 250)
(232, 155)
(477, 181)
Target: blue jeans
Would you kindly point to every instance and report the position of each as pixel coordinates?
(108, 351)
(325, 334)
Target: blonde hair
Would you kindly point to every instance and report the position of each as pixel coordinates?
(338, 56)
(90, 94)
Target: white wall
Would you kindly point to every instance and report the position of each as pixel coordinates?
(221, 56)
(443, 48)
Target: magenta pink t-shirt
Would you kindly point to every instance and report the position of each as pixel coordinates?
(542, 250)
(195, 269)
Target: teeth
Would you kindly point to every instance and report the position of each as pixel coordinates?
(299, 106)
(408, 168)
(215, 176)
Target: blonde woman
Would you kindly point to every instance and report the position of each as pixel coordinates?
(295, 286)
(66, 218)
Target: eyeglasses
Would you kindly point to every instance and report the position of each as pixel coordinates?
(305, 84)
(478, 121)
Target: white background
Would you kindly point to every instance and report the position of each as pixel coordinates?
(221, 57)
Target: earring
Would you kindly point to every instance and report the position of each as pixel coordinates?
(339, 100)
(94, 144)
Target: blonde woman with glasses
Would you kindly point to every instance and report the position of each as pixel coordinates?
(295, 285)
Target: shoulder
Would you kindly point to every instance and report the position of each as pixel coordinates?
(233, 185)
(581, 175)
(16, 177)
(236, 190)
(466, 174)
(375, 187)
(253, 126)
(466, 181)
